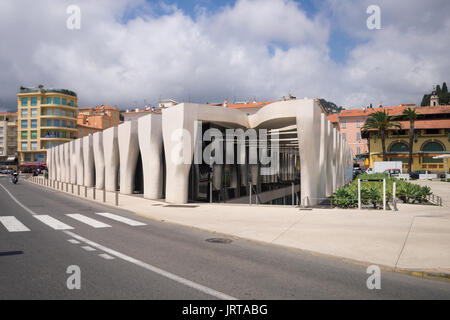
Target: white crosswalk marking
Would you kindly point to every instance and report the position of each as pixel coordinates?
(89, 221)
(115, 217)
(13, 225)
(106, 256)
(52, 222)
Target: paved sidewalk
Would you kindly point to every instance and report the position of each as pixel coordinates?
(416, 237)
(439, 188)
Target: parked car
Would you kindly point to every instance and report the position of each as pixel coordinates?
(417, 173)
(356, 172)
(393, 172)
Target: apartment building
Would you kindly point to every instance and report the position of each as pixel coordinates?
(46, 118)
(8, 138)
(91, 120)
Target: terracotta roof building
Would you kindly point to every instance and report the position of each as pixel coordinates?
(91, 120)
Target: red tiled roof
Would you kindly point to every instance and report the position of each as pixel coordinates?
(333, 118)
(427, 124)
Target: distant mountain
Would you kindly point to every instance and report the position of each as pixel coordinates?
(330, 107)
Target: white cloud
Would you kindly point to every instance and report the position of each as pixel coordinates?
(262, 48)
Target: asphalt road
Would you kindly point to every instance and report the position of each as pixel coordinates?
(163, 261)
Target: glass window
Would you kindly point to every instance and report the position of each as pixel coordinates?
(48, 100)
(56, 112)
(64, 124)
(71, 103)
(399, 147)
(49, 123)
(34, 123)
(24, 113)
(34, 112)
(64, 135)
(63, 112)
(344, 124)
(24, 102)
(344, 136)
(81, 132)
(34, 101)
(24, 134)
(24, 146)
(49, 111)
(34, 134)
(358, 136)
(24, 124)
(34, 146)
(56, 100)
(56, 123)
(358, 124)
(64, 101)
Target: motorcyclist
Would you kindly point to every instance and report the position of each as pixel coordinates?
(15, 177)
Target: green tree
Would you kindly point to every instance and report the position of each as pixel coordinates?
(438, 90)
(444, 88)
(411, 115)
(425, 100)
(381, 121)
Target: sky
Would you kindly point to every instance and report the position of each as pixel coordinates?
(130, 53)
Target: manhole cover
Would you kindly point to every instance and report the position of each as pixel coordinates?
(219, 240)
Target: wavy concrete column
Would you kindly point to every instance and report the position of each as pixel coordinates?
(329, 160)
(49, 163)
(88, 161)
(128, 152)
(150, 144)
(79, 159)
(111, 154)
(55, 169)
(73, 162)
(179, 130)
(99, 160)
(308, 132)
(58, 163)
(67, 160)
(62, 162)
(323, 155)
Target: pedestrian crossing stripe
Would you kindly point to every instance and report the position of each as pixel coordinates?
(12, 224)
(89, 221)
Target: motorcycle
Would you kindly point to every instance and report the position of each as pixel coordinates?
(15, 178)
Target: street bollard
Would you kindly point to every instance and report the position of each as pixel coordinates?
(93, 193)
(104, 195)
(78, 187)
(85, 191)
(116, 199)
(72, 187)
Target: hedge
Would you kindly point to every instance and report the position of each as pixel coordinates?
(372, 192)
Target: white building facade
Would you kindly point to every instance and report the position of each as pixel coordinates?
(187, 154)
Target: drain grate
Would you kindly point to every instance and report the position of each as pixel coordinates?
(219, 240)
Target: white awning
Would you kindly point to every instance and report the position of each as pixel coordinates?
(444, 156)
(11, 159)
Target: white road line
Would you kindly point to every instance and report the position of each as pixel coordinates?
(13, 225)
(142, 264)
(87, 248)
(106, 256)
(18, 202)
(53, 223)
(115, 217)
(154, 269)
(73, 241)
(89, 221)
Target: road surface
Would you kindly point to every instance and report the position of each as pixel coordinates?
(121, 255)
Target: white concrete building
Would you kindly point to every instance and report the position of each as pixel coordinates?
(187, 155)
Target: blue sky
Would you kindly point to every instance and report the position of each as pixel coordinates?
(340, 42)
(131, 51)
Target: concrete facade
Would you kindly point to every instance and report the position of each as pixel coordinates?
(167, 145)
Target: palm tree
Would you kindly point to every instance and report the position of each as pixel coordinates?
(411, 115)
(382, 122)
